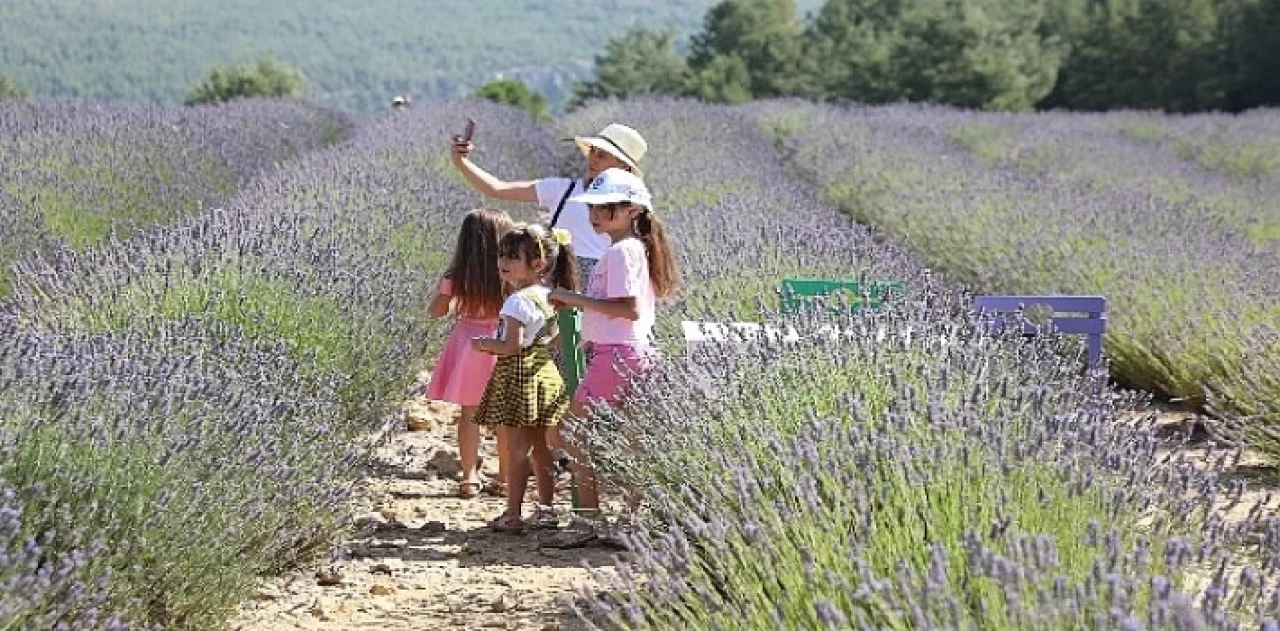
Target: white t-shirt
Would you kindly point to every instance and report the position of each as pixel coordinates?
(587, 243)
(521, 306)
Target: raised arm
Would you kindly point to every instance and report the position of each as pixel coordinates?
(486, 183)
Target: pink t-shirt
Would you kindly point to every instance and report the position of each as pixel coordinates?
(623, 271)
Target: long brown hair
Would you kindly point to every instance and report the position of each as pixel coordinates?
(533, 242)
(663, 274)
(478, 289)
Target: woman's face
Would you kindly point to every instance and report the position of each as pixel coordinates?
(598, 160)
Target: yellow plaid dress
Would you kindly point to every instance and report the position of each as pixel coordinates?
(526, 389)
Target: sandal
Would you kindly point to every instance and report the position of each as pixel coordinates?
(544, 518)
(507, 523)
(468, 490)
(580, 533)
(495, 488)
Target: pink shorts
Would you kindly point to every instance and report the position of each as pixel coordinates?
(610, 369)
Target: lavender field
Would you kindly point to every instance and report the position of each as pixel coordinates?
(913, 475)
(188, 406)
(77, 171)
(1188, 256)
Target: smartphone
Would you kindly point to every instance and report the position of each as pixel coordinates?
(470, 130)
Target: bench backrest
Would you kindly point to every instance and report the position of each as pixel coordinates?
(798, 291)
(1093, 324)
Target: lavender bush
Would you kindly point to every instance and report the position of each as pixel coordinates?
(912, 473)
(195, 458)
(202, 395)
(20, 233)
(1191, 289)
(37, 590)
(83, 169)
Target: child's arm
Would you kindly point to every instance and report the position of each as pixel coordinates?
(624, 307)
(439, 306)
(510, 345)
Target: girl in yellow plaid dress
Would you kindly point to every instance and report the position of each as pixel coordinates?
(526, 394)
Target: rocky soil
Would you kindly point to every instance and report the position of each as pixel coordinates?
(422, 558)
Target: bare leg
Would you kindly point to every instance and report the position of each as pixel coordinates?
(469, 450)
(588, 493)
(588, 480)
(542, 466)
(503, 465)
(518, 440)
(554, 440)
(632, 492)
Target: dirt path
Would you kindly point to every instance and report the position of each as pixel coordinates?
(423, 558)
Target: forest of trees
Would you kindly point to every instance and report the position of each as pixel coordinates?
(355, 55)
(1016, 55)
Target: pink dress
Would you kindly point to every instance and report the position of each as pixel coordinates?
(462, 372)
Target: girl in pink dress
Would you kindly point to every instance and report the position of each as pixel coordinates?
(473, 292)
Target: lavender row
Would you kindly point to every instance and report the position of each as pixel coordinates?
(198, 399)
(914, 473)
(1245, 145)
(1192, 301)
(72, 171)
(1104, 151)
(169, 467)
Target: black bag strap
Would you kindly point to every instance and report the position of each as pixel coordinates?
(560, 206)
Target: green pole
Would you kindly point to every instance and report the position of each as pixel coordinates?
(574, 366)
(570, 323)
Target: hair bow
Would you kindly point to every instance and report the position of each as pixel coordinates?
(561, 236)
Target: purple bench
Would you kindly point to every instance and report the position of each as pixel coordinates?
(1093, 324)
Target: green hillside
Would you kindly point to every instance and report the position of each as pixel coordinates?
(355, 54)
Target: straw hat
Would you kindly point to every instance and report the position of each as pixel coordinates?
(624, 143)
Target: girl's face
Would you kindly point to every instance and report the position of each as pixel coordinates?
(613, 219)
(519, 272)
